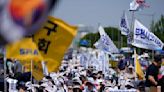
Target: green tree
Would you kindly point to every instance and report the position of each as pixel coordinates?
(112, 32)
(158, 28)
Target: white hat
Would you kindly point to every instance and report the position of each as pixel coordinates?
(44, 80)
(83, 73)
(130, 66)
(61, 80)
(90, 80)
(108, 84)
(77, 74)
(83, 49)
(145, 55)
(76, 86)
(95, 71)
(77, 79)
(53, 74)
(100, 81)
(129, 83)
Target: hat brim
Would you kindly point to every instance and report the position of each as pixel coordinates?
(76, 86)
(89, 83)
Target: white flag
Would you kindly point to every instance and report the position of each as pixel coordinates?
(124, 26)
(143, 38)
(103, 61)
(105, 43)
(136, 5)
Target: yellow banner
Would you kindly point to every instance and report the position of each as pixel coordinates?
(37, 70)
(53, 40)
(26, 51)
(138, 68)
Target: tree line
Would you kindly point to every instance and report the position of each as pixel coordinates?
(120, 40)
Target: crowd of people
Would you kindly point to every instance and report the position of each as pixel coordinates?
(75, 76)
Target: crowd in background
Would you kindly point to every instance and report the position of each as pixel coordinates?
(75, 76)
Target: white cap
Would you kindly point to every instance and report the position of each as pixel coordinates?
(130, 66)
(77, 79)
(91, 80)
(128, 82)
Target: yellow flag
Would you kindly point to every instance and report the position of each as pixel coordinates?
(53, 40)
(138, 68)
(26, 51)
(37, 70)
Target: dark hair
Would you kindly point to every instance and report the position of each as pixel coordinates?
(77, 90)
(157, 58)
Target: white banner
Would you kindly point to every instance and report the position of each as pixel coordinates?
(105, 43)
(124, 25)
(103, 61)
(94, 60)
(134, 6)
(143, 38)
(83, 58)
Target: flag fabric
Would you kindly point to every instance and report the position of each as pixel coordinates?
(83, 58)
(124, 25)
(22, 18)
(138, 68)
(2, 4)
(24, 49)
(93, 60)
(53, 40)
(143, 38)
(26, 52)
(130, 38)
(136, 5)
(33, 66)
(103, 60)
(105, 43)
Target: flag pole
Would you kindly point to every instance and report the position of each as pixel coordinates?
(31, 71)
(130, 36)
(119, 38)
(135, 60)
(5, 68)
(153, 52)
(121, 41)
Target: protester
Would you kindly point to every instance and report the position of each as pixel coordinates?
(12, 84)
(152, 74)
(161, 79)
(89, 86)
(74, 77)
(130, 72)
(10, 66)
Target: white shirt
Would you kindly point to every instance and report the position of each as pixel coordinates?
(12, 85)
(162, 70)
(86, 90)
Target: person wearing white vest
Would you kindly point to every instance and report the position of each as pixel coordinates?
(12, 84)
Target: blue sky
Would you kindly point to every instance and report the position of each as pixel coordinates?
(105, 12)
